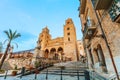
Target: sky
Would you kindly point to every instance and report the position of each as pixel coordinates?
(29, 17)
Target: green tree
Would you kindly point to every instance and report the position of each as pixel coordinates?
(11, 36)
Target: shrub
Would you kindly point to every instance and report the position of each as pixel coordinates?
(2, 71)
(62, 67)
(15, 67)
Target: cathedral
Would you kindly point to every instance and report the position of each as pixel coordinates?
(60, 48)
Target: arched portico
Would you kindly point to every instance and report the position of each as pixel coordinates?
(52, 53)
(60, 52)
(46, 55)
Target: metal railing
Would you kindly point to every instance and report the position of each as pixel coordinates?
(89, 23)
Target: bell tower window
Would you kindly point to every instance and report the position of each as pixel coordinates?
(68, 22)
(68, 39)
(68, 33)
(68, 28)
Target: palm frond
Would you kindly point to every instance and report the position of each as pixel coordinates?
(14, 33)
(17, 35)
(7, 33)
(15, 44)
(11, 34)
(5, 41)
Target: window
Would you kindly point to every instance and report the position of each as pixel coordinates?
(115, 10)
(68, 22)
(41, 35)
(68, 33)
(94, 2)
(68, 39)
(68, 28)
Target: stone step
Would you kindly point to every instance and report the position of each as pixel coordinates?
(64, 71)
(71, 74)
(70, 69)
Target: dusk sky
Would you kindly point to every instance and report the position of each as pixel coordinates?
(28, 17)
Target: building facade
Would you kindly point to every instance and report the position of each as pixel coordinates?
(60, 48)
(100, 21)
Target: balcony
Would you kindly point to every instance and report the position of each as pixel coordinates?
(101, 4)
(82, 7)
(89, 29)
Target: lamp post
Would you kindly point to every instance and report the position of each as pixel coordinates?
(46, 74)
(106, 41)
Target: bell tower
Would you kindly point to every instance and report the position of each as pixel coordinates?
(44, 37)
(42, 42)
(70, 41)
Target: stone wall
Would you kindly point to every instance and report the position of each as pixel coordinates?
(20, 62)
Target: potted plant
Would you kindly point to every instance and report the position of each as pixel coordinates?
(14, 73)
(36, 71)
(2, 71)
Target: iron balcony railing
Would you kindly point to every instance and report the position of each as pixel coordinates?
(89, 29)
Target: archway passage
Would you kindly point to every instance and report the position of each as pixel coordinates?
(52, 53)
(60, 51)
(56, 56)
(46, 55)
(101, 58)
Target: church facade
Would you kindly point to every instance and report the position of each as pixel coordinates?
(60, 48)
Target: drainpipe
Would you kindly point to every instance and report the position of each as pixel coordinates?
(106, 41)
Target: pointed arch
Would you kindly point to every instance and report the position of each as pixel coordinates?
(101, 58)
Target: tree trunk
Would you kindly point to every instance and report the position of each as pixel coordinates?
(4, 55)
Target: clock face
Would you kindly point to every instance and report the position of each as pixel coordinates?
(115, 10)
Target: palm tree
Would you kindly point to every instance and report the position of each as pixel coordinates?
(1, 46)
(11, 36)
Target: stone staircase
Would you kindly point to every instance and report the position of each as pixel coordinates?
(70, 69)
